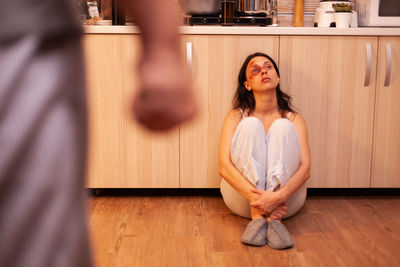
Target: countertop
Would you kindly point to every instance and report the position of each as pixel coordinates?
(252, 30)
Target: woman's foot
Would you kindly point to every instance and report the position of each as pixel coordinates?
(255, 233)
(278, 236)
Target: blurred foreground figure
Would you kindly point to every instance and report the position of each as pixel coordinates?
(43, 127)
(165, 98)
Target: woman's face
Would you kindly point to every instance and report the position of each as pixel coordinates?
(261, 75)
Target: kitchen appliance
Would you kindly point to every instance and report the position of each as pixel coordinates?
(203, 7)
(257, 6)
(324, 14)
(378, 13)
(231, 12)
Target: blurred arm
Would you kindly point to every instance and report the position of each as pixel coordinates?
(165, 98)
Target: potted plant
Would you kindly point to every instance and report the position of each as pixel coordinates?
(343, 13)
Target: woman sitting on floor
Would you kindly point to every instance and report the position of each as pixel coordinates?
(264, 155)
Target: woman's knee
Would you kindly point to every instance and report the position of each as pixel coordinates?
(251, 126)
(282, 126)
(283, 129)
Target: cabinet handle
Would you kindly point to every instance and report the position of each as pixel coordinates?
(189, 49)
(388, 64)
(368, 66)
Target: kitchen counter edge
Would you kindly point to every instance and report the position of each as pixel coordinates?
(252, 30)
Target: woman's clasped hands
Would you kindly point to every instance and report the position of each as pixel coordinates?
(269, 203)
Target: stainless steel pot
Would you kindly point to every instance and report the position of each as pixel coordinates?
(257, 6)
(200, 7)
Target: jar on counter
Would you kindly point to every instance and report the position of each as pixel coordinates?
(93, 9)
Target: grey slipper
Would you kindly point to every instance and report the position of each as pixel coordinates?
(255, 233)
(278, 236)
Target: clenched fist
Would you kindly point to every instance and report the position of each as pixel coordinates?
(165, 98)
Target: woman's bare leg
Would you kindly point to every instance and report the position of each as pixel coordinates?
(256, 214)
(278, 213)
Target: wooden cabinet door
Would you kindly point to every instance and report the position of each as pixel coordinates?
(386, 151)
(326, 77)
(121, 153)
(216, 61)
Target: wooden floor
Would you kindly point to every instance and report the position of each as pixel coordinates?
(201, 231)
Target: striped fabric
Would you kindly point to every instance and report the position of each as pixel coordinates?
(42, 153)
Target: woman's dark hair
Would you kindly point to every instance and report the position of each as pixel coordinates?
(244, 98)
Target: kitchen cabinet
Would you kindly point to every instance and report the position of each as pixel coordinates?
(121, 153)
(386, 144)
(326, 76)
(337, 84)
(215, 63)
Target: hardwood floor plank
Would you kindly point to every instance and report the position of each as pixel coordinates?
(184, 217)
(302, 223)
(223, 232)
(145, 250)
(266, 256)
(317, 250)
(229, 258)
(91, 207)
(147, 218)
(354, 248)
(386, 243)
(107, 228)
(184, 251)
(214, 205)
(202, 231)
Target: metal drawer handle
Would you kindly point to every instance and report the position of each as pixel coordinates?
(388, 64)
(368, 66)
(189, 49)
